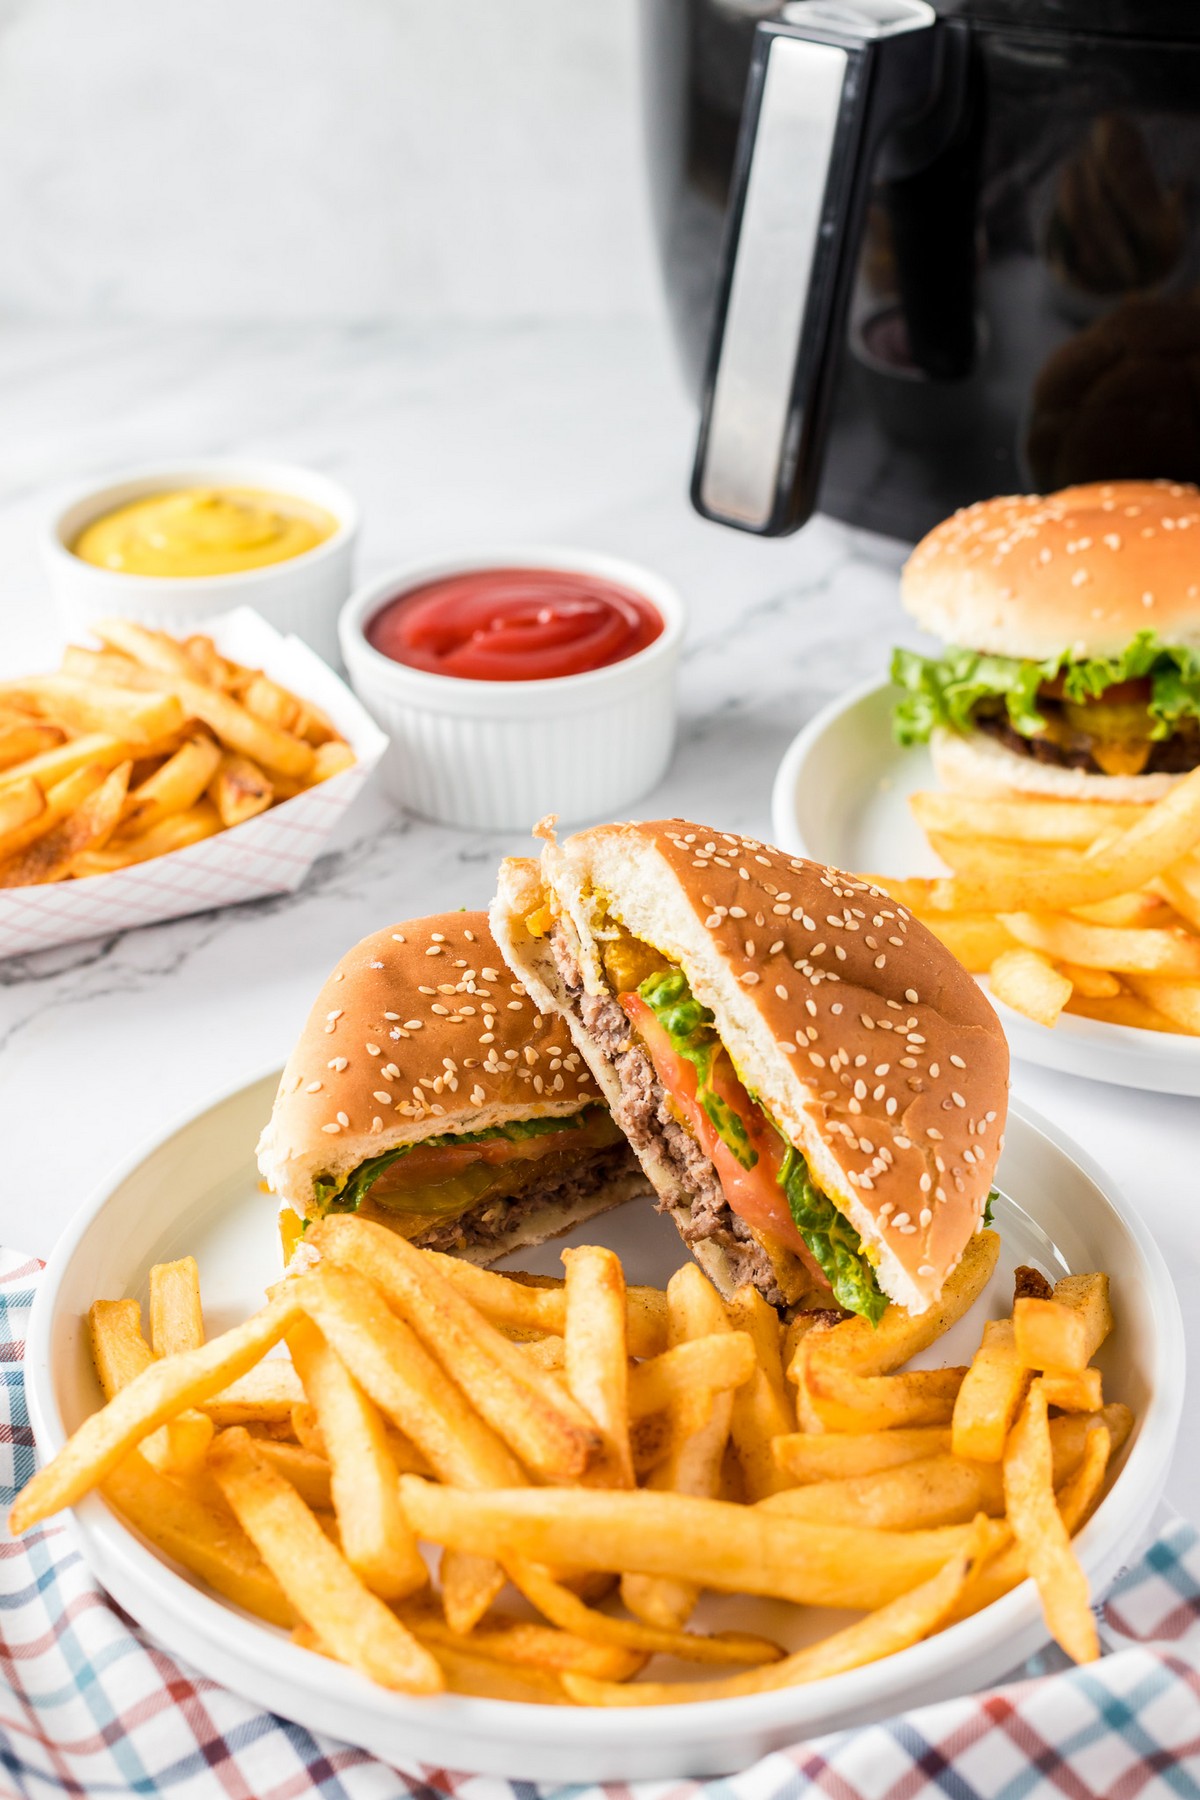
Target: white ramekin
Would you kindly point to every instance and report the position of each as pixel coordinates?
(499, 755)
(301, 595)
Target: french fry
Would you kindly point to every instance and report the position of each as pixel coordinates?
(50, 768)
(469, 1585)
(62, 801)
(267, 1392)
(1075, 1503)
(716, 1364)
(1029, 984)
(893, 1627)
(20, 804)
(1074, 1390)
(975, 939)
(1039, 1530)
(1165, 832)
(120, 1354)
(375, 1536)
(842, 1401)
(208, 1542)
(1093, 984)
(152, 649)
(694, 1312)
(236, 728)
(176, 1317)
(1066, 1331)
(1122, 1009)
(174, 787)
(521, 1309)
(972, 858)
(206, 661)
(526, 1642)
(174, 833)
(487, 1678)
(527, 1407)
(741, 1549)
(1025, 821)
(330, 759)
(319, 1583)
(88, 827)
(390, 1363)
(595, 1354)
(1123, 911)
(156, 1395)
(762, 1409)
(991, 1395)
(271, 703)
(308, 1473)
(1178, 1001)
(834, 1456)
(239, 789)
(22, 739)
(935, 1490)
(856, 1345)
(1135, 952)
(88, 706)
(566, 1610)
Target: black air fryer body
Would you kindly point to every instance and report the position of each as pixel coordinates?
(1002, 284)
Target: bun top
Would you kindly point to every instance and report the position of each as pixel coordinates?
(1080, 571)
(872, 1049)
(420, 1029)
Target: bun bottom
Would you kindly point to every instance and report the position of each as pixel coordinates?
(976, 764)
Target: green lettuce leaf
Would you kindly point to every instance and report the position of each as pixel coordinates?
(946, 690)
(832, 1240)
(693, 1036)
(345, 1193)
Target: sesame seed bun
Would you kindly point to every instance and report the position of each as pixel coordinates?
(871, 1048)
(1080, 571)
(974, 763)
(422, 1030)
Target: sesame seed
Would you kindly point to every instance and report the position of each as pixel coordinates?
(376, 1125)
(335, 1014)
(513, 1006)
(382, 1095)
(443, 1012)
(957, 1061)
(398, 937)
(342, 1119)
(331, 1127)
(314, 1087)
(374, 1050)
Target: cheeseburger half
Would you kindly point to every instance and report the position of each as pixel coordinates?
(816, 1089)
(1073, 626)
(428, 1093)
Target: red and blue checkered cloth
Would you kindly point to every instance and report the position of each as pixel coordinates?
(90, 1708)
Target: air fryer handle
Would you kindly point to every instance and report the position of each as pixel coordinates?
(826, 86)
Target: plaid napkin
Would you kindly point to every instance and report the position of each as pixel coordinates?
(89, 1707)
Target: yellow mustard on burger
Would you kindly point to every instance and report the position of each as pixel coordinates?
(203, 531)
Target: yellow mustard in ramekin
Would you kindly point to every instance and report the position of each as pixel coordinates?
(203, 531)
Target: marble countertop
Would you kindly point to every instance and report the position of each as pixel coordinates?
(570, 435)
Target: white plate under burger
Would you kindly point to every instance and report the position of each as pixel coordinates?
(195, 1190)
(841, 797)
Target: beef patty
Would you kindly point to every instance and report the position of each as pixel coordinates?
(1174, 755)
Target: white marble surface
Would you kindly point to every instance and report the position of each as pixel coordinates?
(571, 434)
(321, 159)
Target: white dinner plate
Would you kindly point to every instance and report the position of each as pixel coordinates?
(841, 796)
(196, 1190)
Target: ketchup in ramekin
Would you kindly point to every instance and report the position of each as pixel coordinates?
(514, 625)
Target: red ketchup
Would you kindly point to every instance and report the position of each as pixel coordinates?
(514, 625)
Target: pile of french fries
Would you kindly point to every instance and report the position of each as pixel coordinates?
(566, 1443)
(1070, 905)
(143, 747)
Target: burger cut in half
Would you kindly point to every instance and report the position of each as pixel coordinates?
(428, 1093)
(1073, 630)
(816, 1089)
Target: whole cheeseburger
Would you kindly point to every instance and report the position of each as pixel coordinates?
(815, 1087)
(1073, 626)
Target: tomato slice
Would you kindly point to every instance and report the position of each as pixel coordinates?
(441, 1162)
(754, 1194)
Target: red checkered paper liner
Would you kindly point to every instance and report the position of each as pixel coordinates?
(91, 1708)
(270, 854)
